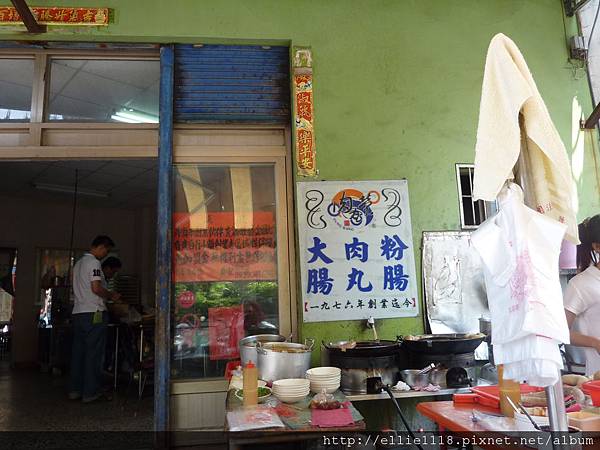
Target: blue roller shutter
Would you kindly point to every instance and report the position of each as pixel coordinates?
(231, 84)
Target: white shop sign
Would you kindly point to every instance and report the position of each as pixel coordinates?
(356, 250)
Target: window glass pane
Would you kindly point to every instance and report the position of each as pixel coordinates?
(91, 90)
(224, 264)
(16, 82)
(479, 212)
(465, 181)
(468, 211)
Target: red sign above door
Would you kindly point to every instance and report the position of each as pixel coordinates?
(57, 16)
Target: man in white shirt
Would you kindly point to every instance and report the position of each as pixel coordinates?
(89, 322)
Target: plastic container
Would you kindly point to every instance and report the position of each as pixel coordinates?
(592, 410)
(592, 388)
(509, 389)
(585, 421)
(250, 384)
(524, 424)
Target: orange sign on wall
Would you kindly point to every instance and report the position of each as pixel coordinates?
(57, 16)
(221, 252)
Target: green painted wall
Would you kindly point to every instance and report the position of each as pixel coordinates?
(397, 85)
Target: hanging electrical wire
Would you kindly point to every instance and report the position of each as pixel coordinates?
(593, 27)
(576, 67)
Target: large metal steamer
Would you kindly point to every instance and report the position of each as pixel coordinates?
(279, 360)
(248, 346)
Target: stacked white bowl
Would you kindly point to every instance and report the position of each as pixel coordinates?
(291, 390)
(327, 378)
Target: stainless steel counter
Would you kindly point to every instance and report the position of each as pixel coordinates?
(407, 394)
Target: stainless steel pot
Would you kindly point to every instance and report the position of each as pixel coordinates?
(413, 378)
(354, 381)
(485, 326)
(438, 376)
(279, 360)
(248, 346)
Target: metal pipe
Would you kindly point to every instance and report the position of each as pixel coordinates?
(556, 412)
(116, 364)
(141, 361)
(389, 392)
(556, 407)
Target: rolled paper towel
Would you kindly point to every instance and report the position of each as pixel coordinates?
(568, 256)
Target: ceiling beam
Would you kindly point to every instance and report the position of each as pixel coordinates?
(592, 121)
(27, 17)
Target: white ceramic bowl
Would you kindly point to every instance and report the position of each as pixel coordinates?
(325, 383)
(291, 388)
(312, 378)
(292, 391)
(333, 375)
(328, 381)
(323, 372)
(292, 394)
(318, 387)
(291, 399)
(329, 387)
(291, 383)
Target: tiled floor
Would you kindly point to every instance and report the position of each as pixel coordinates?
(34, 401)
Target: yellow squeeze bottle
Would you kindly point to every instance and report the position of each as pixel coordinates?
(250, 384)
(508, 389)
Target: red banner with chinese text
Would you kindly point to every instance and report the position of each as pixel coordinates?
(57, 16)
(221, 252)
(305, 138)
(225, 329)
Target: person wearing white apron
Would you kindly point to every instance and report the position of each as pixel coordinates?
(582, 297)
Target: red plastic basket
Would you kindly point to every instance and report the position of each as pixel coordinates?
(493, 392)
(592, 388)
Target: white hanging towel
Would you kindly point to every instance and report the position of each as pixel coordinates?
(509, 91)
(519, 249)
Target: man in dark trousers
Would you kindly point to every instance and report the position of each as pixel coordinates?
(89, 319)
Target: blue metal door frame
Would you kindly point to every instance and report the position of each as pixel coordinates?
(214, 84)
(162, 338)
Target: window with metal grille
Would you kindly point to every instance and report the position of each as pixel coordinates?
(472, 213)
